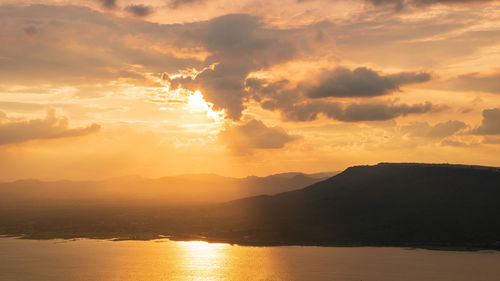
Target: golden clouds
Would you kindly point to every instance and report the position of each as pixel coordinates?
(196, 89)
(254, 134)
(15, 130)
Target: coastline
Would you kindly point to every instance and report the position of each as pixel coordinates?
(187, 238)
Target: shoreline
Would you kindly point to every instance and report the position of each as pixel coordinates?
(159, 238)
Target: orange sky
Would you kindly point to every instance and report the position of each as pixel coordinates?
(97, 89)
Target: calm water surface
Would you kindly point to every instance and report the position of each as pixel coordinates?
(86, 260)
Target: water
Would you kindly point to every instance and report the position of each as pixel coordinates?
(85, 260)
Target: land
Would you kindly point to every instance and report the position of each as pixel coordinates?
(453, 207)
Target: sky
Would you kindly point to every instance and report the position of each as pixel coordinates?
(107, 88)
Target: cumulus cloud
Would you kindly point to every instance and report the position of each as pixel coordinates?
(240, 44)
(233, 41)
(361, 82)
(490, 125)
(254, 134)
(237, 44)
(16, 130)
(294, 104)
(139, 10)
(439, 130)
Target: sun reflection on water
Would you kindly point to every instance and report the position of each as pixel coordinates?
(203, 261)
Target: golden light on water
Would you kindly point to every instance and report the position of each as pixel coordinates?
(204, 261)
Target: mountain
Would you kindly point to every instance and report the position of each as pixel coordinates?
(405, 204)
(135, 190)
(385, 204)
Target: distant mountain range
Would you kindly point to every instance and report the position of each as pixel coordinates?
(407, 204)
(135, 190)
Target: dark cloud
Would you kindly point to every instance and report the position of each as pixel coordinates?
(378, 111)
(174, 4)
(16, 130)
(254, 134)
(294, 104)
(490, 125)
(353, 112)
(241, 44)
(440, 130)
(108, 4)
(361, 82)
(139, 10)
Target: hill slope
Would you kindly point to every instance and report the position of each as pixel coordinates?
(385, 204)
(381, 204)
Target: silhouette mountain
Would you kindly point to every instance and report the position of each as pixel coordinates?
(385, 204)
(405, 204)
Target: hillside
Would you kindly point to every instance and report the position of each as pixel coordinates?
(383, 204)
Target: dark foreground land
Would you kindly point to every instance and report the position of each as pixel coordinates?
(412, 205)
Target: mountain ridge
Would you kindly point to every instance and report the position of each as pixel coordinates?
(379, 204)
(388, 204)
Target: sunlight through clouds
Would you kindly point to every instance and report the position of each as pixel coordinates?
(299, 84)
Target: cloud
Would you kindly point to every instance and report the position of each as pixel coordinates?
(240, 44)
(294, 103)
(490, 125)
(352, 112)
(399, 4)
(488, 83)
(378, 111)
(491, 139)
(435, 41)
(254, 134)
(458, 143)
(174, 4)
(91, 48)
(111, 49)
(108, 4)
(439, 130)
(361, 82)
(16, 130)
(139, 10)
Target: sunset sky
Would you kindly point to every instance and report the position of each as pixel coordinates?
(97, 89)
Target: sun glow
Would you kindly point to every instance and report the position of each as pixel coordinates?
(196, 103)
(179, 98)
